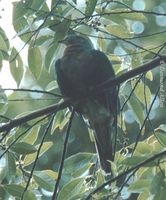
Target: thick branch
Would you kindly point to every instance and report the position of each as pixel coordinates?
(134, 72)
(50, 109)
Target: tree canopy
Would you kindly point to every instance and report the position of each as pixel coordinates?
(47, 151)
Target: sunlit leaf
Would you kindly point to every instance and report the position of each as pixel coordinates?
(136, 106)
(156, 183)
(140, 185)
(149, 75)
(161, 136)
(29, 195)
(30, 158)
(101, 42)
(71, 189)
(135, 160)
(143, 148)
(142, 92)
(144, 195)
(77, 164)
(60, 120)
(43, 180)
(118, 30)
(3, 168)
(32, 136)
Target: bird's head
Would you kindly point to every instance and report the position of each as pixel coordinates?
(77, 40)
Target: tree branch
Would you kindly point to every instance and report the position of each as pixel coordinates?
(134, 72)
(107, 84)
(50, 109)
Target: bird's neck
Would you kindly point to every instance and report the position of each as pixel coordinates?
(74, 49)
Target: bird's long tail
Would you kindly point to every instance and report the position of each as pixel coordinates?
(104, 133)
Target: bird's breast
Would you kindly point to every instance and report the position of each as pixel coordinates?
(73, 50)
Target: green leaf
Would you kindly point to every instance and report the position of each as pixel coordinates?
(29, 195)
(14, 190)
(3, 45)
(16, 66)
(143, 148)
(30, 158)
(161, 136)
(135, 105)
(3, 102)
(140, 185)
(51, 173)
(75, 187)
(60, 120)
(35, 61)
(20, 9)
(118, 30)
(125, 14)
(11, 166)
(144, 195)
(61, 28)
(160, 194)
(3, 168)
(132, 16)
(32, 136)
(90, 7)
(135, 160)
(44, 180)
(2, 192)
(41, 40)
(156, 183)
(20, 23)
(149, 75)
(77, 162)
(36, 5)
(3, 35)
(50, 56)
(100, 178)
(23, 148)
(162, 127)
(142, 92)
(1, 59)
(101, 42)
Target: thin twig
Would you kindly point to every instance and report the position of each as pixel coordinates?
(16, 139)
(37, 155)
(63, 157)
(136, 167)
(34, 91)
(146, 118)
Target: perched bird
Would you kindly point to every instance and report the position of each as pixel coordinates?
(79, 72)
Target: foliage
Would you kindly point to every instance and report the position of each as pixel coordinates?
(141, 130)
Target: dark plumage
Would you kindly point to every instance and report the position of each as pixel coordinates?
(79, 72)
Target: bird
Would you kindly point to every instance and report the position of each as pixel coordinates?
(79, 72)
